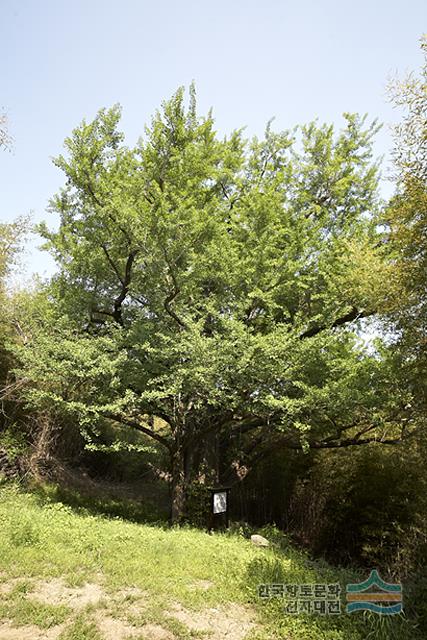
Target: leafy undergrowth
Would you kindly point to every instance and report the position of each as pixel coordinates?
(75, 576)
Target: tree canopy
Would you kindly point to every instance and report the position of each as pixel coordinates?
(210, 290)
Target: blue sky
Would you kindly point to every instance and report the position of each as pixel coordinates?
(62, 60)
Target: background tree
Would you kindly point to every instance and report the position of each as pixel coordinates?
(209, 290)
(12, 236)
(406, 219)
(11, 242)
(369, 505)
(5, 138)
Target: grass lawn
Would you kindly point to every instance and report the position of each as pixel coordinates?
(66, 574)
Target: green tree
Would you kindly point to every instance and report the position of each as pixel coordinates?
(209, 290)
(11, 241)
(406, 219)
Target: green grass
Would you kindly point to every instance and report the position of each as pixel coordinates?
(24, 611)
(41, 539)
(81, 629)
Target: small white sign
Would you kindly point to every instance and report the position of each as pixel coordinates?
(220, 502)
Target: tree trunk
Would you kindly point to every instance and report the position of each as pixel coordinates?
(196, 462)
(178, 487)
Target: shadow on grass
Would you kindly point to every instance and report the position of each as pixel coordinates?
(142, 512)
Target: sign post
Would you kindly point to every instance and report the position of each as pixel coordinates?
(219, 512)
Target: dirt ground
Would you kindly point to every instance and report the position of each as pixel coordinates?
(225, 622)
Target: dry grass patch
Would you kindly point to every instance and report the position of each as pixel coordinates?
(225, 622)
(202, 585)
(29, 632)
(156, 632)
(10, 585)
(114, 629)
(56, 592)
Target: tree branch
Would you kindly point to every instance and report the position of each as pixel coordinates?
(166, 303)
(352, 315)
(172, 295)
(353, 442)
(113, 266)
(139, 427)
(117, 314)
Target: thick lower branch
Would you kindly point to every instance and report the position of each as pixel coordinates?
(353, 314)
(139, 427)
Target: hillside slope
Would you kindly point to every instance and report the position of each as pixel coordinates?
(67, 575)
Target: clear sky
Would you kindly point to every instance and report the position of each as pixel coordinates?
(62, 60)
